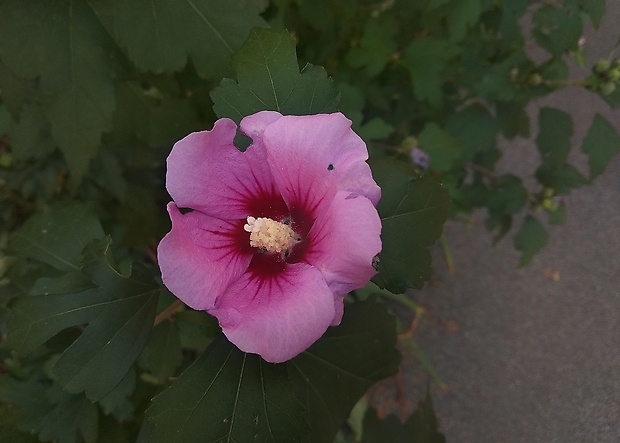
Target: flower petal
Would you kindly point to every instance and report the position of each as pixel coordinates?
(277, 317)
(201, 256)
(343, 242)
(254, 125)
(208, 173)
(313, 156)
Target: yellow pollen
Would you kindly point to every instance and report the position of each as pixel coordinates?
(269, 234)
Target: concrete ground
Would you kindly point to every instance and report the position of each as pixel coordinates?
(527, 358)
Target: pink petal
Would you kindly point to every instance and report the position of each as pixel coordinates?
(279, 316)
(313, 156)
(343, 242)
(254, 125)
(201, 256)
(208, 173)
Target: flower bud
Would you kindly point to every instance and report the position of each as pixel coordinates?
(608, 88)
(602, 66)
(613, 74)
(548, 192)
(549, 204)
(535, 79)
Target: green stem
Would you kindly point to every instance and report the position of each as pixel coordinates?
(401, 299)
(426, 364)
(447, 254)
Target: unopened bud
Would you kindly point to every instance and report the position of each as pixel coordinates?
(549, 204)
(602, 66)
(608, 88)
(535, 79)
(614, 74)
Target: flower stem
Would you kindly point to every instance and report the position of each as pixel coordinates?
(168, 312)
(447, 254)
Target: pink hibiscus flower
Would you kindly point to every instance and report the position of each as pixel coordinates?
(278, 234)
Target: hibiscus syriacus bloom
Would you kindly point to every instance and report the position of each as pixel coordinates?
(277, 235)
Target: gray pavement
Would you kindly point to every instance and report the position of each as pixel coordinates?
(533, 354)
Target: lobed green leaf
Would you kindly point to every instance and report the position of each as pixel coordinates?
(426, 58)
(413, 211)
(230, 396)
(442, 148)
(600, 144)
(530, 239)
(63, 44)
(162, 35)
(162, 354)
(331, 376)
(57, 237)
(268, 78)
(48, 411)
(119, 312)
(553, 140)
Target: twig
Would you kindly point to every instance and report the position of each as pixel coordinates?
(168, 312)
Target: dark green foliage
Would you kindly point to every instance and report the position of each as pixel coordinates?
(413, 210)
(64, 46)
(530, 239)
(119, 311)
(330, 377)
(92, 97)
(601, 144)
(268, 77)
(227, 395)
(160, 36)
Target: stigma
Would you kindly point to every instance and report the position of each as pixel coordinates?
(270, 235)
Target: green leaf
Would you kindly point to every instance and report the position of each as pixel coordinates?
(74, 416)
(553, 141)
(30, 136)
(443, 150)
(196, 329)
(557, 216)
(63, 44)
(119, 312)
(507, 196)
(15, 92)
(374, 49)
(117, 401)
(57, 237)
(557, 29)
(596, 10)
(530, 239)
(562, 179)
(420, 427)
(413, 211)
(512, 119)
(462, 14)
(268, 78)
(13, 435)
(331, 376)
(228, 395)
(28, 398)
(475, 127)
(600, 144)
(162, 35)
(375, 129)
(50, 412)
(155, 116)
(162, 354)
(426, 58)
